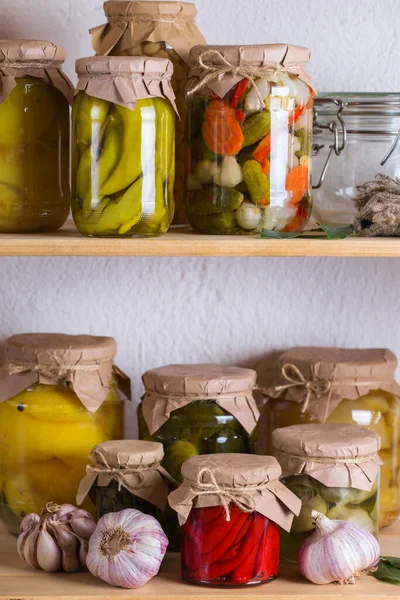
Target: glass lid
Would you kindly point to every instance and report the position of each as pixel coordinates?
(359, 103)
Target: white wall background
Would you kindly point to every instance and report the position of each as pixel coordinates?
(228, 310)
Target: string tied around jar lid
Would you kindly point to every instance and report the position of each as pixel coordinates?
(51, 371)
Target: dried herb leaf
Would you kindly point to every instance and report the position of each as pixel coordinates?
(388, 570)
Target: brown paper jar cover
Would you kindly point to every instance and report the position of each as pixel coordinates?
(175, 386)
(320, 378)
(271, 57)
(83, 363)
(124, 80)
(337, 455)
(133, 464)
(250, 481)
(33, 58)
(132, 23)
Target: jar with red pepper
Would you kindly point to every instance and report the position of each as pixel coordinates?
(231, 508)
(249, 137)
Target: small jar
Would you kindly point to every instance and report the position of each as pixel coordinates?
(333, 469)
(231, 508)
(198, 409)
(34, 137)
(123, 163)
(334, 385)
(250, 114)
(60, 395)
(159, 29)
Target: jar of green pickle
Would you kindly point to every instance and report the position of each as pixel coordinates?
(59, 396)
(128, 474)
(198, 409)
(333, 385)
(123, 164)
(35, 95)
(334, 470)
(159, 29)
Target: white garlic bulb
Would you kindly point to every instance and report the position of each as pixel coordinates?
(127, 548)
(339, 551)
(57, 540)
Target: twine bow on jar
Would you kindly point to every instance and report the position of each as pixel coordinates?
(55, 371)
(295, 378)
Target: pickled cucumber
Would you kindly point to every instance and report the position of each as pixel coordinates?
(256, 128)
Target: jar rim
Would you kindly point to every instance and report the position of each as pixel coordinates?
(359, 103)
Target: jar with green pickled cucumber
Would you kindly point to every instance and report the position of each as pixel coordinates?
(163, 30)
(59, 396)
(123, 161)
(250, 116)
(334, 470)
(333, 385)
(34, 137)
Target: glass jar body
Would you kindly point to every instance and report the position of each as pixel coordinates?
(47, 435)
(342, 504)
(123, 167)
(242, 551)
(378, 411)
(249, 166)
(34, 158)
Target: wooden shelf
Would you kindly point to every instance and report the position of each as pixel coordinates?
(18, 581)
(182, 242)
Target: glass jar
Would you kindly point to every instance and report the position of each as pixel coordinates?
(34, 137)
(361, 129)
(46, 430)
(123, 151)
(377, 410)
(229, 535)
(198, 409)
(334, 470)
(249, 163)
(159, 29)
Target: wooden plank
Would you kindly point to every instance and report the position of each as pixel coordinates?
(18, 581)
(176, 243)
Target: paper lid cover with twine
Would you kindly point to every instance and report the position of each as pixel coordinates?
(248, 481)
(132, 23)
(175, 386)
(337, 455)
(134, 465)
(220, 68)
(33, 58)
(83, 363)
(320, 378)
(124, 80)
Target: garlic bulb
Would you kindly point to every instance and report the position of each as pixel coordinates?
(57, 540)
(339, 551)
(127, 548)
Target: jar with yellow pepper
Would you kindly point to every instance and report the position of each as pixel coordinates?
(332, 385)
(59, 396)
(155, 29)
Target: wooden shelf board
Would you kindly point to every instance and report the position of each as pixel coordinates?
(18, 581)
(182, 242)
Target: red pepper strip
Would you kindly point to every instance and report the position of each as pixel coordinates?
(216, 532)
(232, 553)
(208, 514)
(240, 116)
(218, 552)
(267, 562)
(244, 572)
(297, 113)
(263, 149)
(242, 533)
(238, 93)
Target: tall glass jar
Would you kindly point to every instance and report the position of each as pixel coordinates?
(346, 386)
(334, 470)
(34, 137)
(159, 29)
(231, 533)
(123, 147)
(198, 409)
(250, 138)
(60, 395)
(359, 132)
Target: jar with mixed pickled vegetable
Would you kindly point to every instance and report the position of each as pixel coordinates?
(332, 385)
(250, 115)
(123, 147)
(230, 534)
(160, 29)
(59, 396)
(34, 136)
(333, 469)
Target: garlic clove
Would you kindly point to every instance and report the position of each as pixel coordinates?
(29, 554)
(29, 521)
(48, 553)
(83, 527)
(68, 545)
(83, 551)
